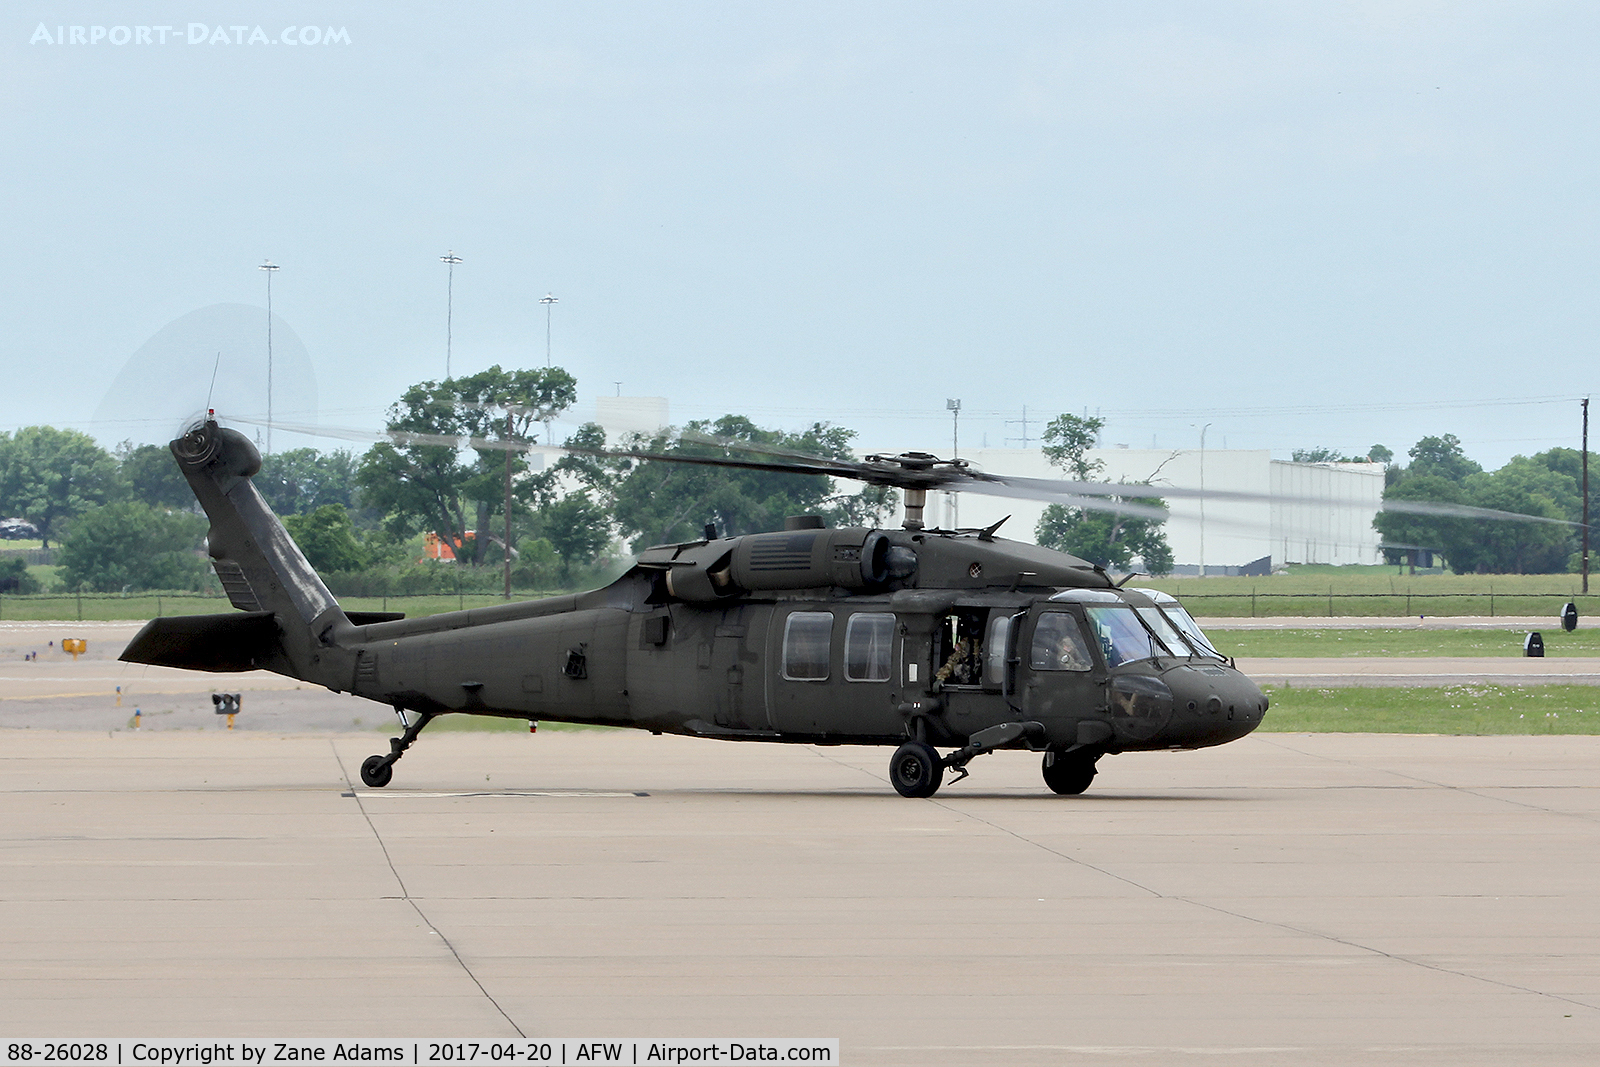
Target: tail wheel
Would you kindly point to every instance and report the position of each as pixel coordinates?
(1071, 774)
(376, 771)
(916, 770)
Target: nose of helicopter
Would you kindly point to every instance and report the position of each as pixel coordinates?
(1211, 705)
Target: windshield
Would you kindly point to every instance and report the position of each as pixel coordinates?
(1163, 630)
(1122, 636)
(1191, 629)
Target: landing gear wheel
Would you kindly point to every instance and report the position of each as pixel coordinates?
(916, 770)
(376, 771)
(1068, 775)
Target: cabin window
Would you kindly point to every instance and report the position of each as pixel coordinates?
(807, 639)
(1058, 644)
(994, 650)
(868, 643)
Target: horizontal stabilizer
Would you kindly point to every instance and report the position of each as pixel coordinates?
(364, 618)
(245, 641)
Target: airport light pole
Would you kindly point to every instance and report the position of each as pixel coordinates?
(1585, 494)
(548, 301)
(954, 407)
(271, 268)
(451, 259)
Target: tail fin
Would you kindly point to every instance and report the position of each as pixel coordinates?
(261, 568)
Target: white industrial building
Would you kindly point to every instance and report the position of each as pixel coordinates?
(1257, 510)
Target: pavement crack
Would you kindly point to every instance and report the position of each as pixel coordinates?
(405, 895)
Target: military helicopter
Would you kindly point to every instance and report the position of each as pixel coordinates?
(915, 638)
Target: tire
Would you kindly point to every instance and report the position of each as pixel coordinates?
(376, 772)
(915, 770)
(1068, 775)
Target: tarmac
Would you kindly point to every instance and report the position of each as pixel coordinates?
(1286, 899)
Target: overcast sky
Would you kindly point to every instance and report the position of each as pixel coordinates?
(1331, 224)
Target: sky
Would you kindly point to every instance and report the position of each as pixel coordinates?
(1284, 225)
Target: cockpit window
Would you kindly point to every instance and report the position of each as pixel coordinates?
(1191, 629)
(1058, 644)
(1122, 636)
(1164, 631)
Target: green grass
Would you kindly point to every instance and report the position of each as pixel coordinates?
(110, 607)
(1460, 709)
(1376, 590)
(1315, 643)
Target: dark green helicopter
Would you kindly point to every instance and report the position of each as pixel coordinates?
(917, 638)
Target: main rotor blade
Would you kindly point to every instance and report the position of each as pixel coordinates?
(930, 474)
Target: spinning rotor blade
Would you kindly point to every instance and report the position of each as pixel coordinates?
(916, 470)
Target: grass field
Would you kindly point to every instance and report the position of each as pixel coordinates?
(1357, 591)
(1312, 643)
(1460, 709)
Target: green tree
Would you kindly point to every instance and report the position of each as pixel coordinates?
(49, 475)
(1441, 456)
(302, 480)
(14, 577)
(1105, 538)
(151, 476)
(133, 545)
(1067, 440)
(1109, 539)
(577, 528)
(328, 538)
(424, 481)
(662, 503)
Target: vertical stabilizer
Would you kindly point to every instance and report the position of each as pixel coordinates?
(260, 566)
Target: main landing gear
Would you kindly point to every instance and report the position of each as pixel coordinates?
(1069, 773)
(917, 770)
(376, 771)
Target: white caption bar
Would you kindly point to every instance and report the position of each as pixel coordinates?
(520, 1052)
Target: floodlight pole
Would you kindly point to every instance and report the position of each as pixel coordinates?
(954, 407)
(271, 268)
(549, 301)
(1585, 494)
(451, 259)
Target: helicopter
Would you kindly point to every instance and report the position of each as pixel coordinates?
(918, 638)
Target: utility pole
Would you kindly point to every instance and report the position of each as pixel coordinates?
(1585, 494)
(507, 544)
(271, 268)
(451, 259)
(1203, 430)
(1024, 421)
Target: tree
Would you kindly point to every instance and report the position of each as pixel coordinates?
(1327, 455)
(1441, 456)
(327, 538)
(1488, 546)
(133, 545)
(302, 480)
(1380, 454)
(577, 528)
(1108, 539)
(150, 475)
(47, 475)
(14, 577)
(662, 503)
(1067, 439)
(421, 480)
